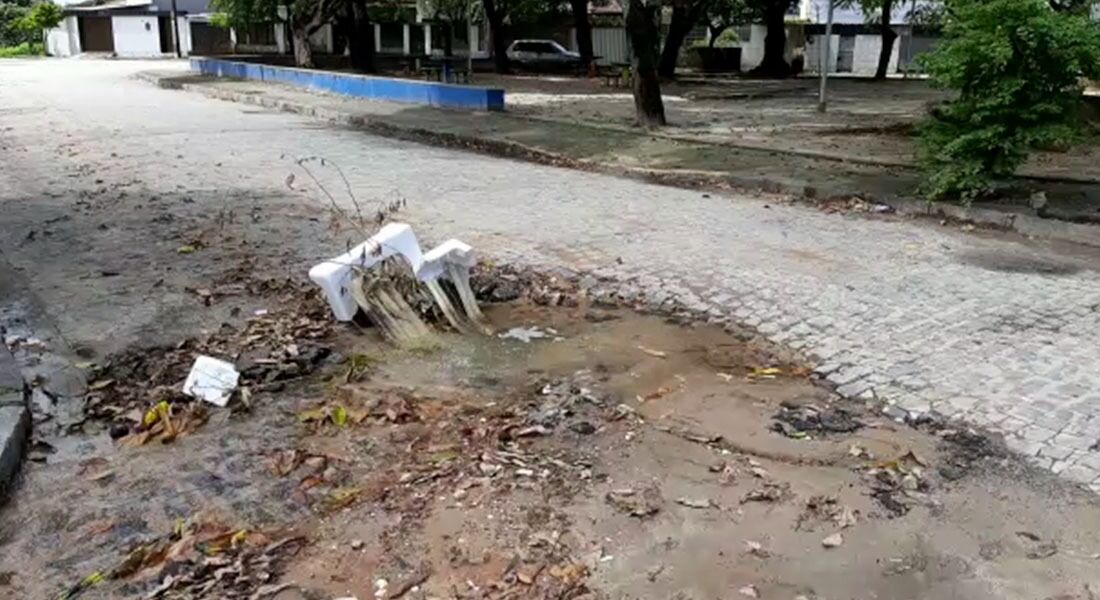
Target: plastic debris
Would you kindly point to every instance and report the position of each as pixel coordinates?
(211, 380)
(524, 334)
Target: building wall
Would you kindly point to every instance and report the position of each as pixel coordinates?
(814, 49)
(752, 44)
(185, 35)
(752, 47)
(865, 60)
(136, 36)
(64, 40)
(864, 56)
(609, 44)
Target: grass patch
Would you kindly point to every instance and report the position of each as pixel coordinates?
(24, 49)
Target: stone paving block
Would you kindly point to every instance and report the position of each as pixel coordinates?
(1080, 474)
(15, 424)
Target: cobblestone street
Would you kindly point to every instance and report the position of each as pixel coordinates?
(996, 330)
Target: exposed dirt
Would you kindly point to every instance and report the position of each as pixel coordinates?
(618, 455)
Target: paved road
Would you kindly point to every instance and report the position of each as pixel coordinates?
(995, 330)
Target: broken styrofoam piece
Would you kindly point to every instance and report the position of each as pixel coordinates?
(437, 260)
(211, 380)
(335, 275)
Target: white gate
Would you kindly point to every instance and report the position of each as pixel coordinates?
(609, 44)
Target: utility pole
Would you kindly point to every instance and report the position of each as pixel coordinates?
(176, 30)
(823, 65)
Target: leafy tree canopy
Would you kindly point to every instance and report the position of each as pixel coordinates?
(1018, 68)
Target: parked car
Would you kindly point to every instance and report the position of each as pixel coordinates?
(542, 54)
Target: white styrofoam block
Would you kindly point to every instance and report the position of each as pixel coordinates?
(211, 380)
(334, 275)
(449, 252)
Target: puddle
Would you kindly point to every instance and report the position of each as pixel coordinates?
(499, 467)
(1002, 262)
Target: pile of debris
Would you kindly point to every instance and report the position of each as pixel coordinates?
(505, 283)
(271, 348)
(201, 560)
(899, 483)
(806, 420)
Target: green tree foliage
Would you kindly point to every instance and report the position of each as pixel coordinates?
(723, 14)
(12, 13)
(24, 21)
(243, 13)
(1018, 68)
(41, 16)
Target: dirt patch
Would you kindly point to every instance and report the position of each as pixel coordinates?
(1018, 263)
(615, 454)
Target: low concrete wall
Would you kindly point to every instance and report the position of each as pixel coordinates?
(361, 86)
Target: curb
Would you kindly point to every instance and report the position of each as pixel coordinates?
(15, 418)
(1027, 225)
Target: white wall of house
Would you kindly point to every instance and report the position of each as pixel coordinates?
(814, 49)
(321, 40)
(185, 35)
(864, 56)
(136, 36)
(752, 49)
(64, 40)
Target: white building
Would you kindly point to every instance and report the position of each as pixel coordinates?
(134, 28)
(855, 42)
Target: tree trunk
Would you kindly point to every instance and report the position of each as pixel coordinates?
(303, 53)
(775, 42)
(684, 18)
(888, 37)
(448, 38)
(641, 29)
(498, 36)
(359, 32)
(715, 31)
(583, 28)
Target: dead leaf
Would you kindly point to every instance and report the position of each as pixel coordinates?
(100, 384)
(765, 373)
(695, 502)
(312, 415)
(342, 497)
(652, 352)
(339, 416)
(186, 249)
(661, 391)
(570, 574)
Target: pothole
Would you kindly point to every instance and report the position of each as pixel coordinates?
(1016, 263)
(620, 452)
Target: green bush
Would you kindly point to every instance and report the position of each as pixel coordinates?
(24, 49)
(1018, 68)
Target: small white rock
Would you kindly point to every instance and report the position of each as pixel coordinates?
(833, 541)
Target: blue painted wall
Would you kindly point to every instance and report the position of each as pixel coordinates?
(362, 86)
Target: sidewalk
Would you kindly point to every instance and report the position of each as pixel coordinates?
(658, 157)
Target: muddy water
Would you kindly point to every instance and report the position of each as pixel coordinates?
(449, 495)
